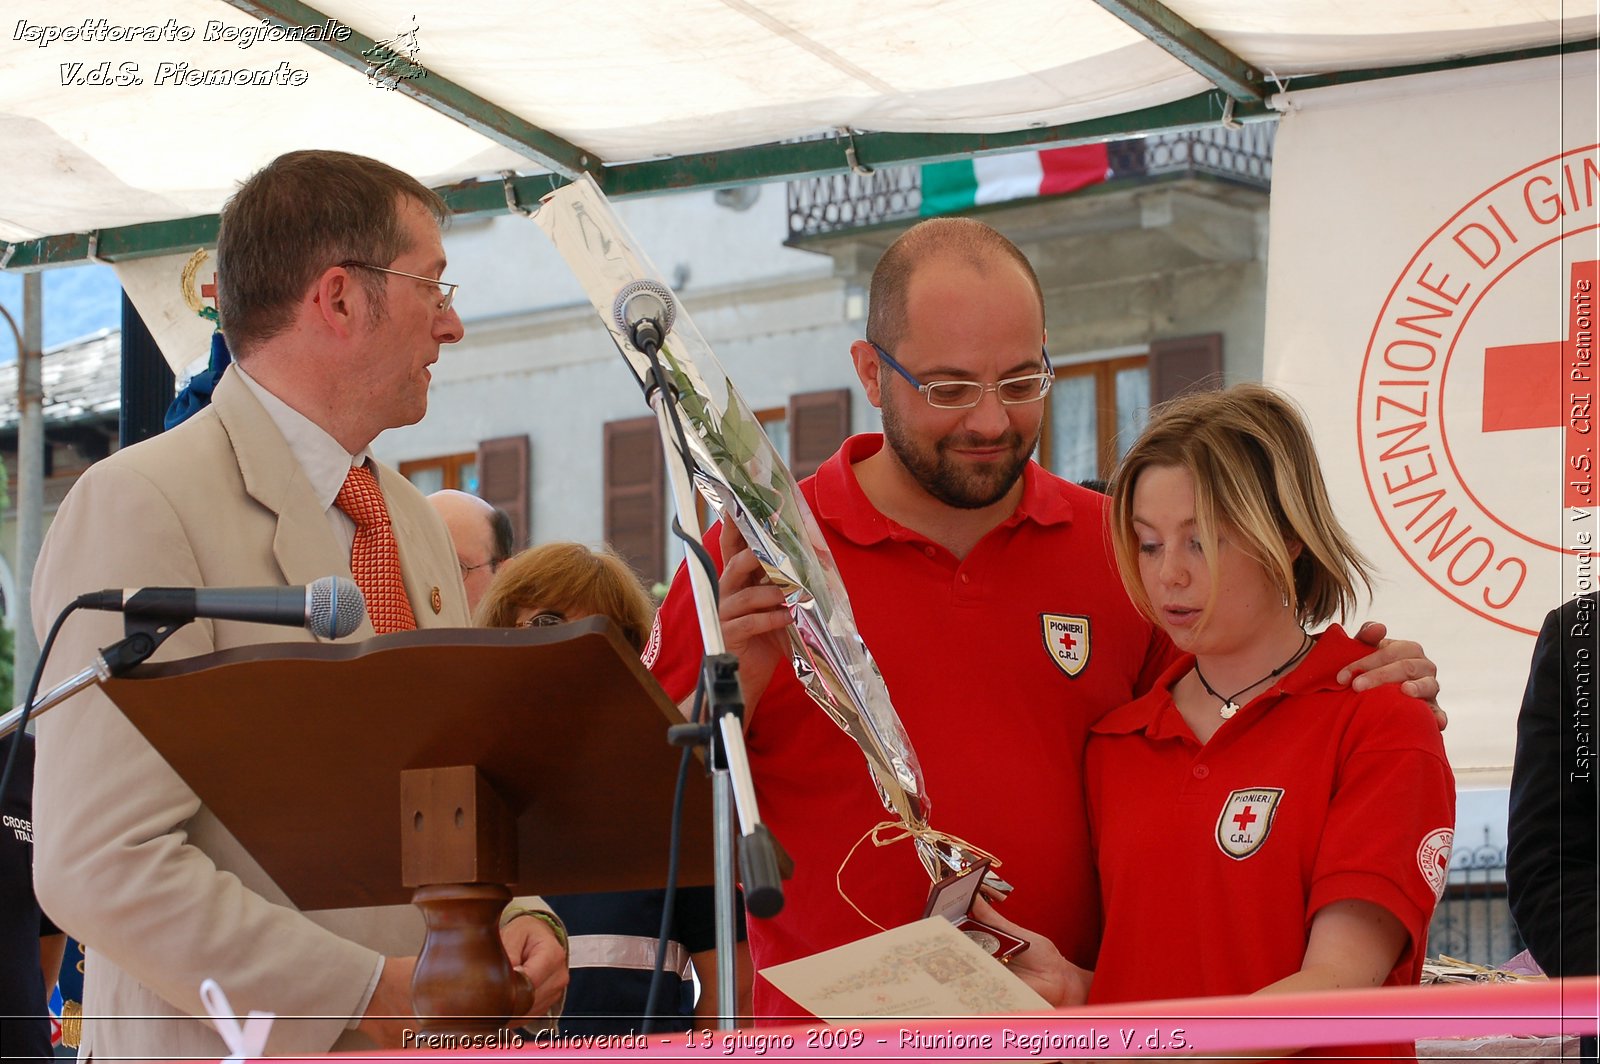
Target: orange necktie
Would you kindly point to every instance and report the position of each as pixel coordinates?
(375, 556)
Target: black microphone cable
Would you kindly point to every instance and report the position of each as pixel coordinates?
(657, 382)
(653, 1004)
(33, 693)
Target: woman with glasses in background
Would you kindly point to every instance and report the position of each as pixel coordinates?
(612, 937)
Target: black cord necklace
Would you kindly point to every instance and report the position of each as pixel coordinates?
(1229, 706)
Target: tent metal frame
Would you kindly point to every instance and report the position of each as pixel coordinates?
(1241, 96)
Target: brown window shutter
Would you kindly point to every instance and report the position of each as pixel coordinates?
(1187, 364)
(818, 424)
(503, 481)
(635, 496)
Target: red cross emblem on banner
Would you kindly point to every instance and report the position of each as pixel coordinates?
(1550, 384)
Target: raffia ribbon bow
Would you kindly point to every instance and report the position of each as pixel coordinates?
(889, 832)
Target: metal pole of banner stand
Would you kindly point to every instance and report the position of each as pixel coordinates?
(721, 785)
(732, 789)
(30, 466)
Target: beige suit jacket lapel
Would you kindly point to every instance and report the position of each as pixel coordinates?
(426, 570)
(303, 546)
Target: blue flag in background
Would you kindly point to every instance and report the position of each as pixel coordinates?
(196, 395)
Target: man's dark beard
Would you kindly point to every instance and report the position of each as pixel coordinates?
(939, 475)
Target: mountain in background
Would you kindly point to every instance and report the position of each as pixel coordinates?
(78, 301)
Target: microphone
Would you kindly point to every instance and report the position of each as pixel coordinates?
(332, 607)
(645, 310)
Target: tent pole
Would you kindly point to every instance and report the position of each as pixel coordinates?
(147, 382)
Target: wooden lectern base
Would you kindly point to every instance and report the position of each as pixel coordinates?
(458, 849)
(463, 982)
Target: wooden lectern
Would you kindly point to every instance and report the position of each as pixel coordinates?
(452, 768)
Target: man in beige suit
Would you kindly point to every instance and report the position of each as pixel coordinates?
(328, 268)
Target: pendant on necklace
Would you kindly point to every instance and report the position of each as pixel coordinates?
(1228, 710)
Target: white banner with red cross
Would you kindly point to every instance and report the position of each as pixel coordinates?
(1434, 269)
(176, 296)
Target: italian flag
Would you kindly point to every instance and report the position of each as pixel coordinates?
(966, 183)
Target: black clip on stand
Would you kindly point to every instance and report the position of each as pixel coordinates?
(144, 635)
(723, 729)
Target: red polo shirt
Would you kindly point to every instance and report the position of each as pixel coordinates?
(1214, 859)
(998, 720)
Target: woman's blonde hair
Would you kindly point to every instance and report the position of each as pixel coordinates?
(569, 578)
(1257, 475)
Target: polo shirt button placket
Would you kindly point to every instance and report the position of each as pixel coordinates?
(965, 589)
(1202, 772)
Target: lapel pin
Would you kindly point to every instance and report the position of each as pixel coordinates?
(436, 600)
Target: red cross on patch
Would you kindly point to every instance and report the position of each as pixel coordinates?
(1066, 639)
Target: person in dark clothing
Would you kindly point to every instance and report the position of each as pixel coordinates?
(30, 945)
(1552, 864)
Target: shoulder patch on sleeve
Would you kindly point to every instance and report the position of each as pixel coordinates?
(1433, 858)
(652, 648)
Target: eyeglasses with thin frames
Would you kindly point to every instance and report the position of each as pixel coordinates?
(964, 395)
(542, 620)
(445, 289)
(492, 563)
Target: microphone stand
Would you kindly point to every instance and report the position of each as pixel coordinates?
(133, 649)
(144, 635)
(723, 729)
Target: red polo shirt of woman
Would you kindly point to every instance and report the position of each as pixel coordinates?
(1258, 827)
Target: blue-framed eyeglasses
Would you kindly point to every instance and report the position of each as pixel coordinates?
(963, 395)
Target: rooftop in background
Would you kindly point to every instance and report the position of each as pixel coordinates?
(82, 383)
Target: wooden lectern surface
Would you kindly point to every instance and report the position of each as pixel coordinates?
(298, 749)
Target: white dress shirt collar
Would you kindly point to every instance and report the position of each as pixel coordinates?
(323, 459)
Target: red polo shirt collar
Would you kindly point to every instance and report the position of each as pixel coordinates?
(844, 506)
(1157, 716)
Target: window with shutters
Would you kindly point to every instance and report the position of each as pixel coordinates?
(458, 471)
(503, 481)
(1097, 409)
(775, 423)
(818, 424)
(804, 433)
(496, 472)
(636, 496)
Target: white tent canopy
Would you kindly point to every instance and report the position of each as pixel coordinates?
(616, 86)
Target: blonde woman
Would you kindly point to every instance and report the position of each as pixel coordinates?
(1257, 827)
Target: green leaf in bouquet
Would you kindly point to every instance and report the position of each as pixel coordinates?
(689, 399)
(742, 435)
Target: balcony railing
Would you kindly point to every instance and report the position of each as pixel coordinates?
(838, 202)
(1473, 922)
